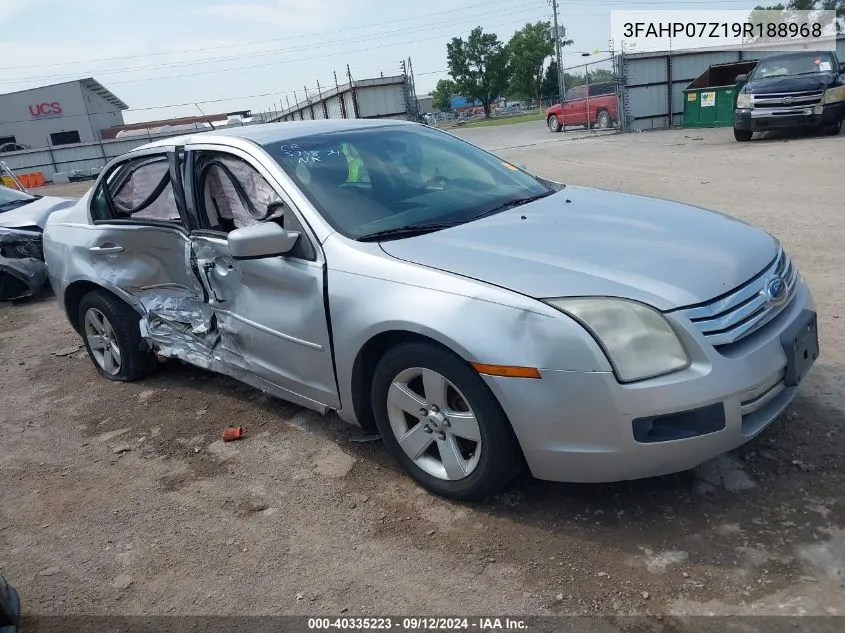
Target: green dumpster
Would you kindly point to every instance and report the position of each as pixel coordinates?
(709, 99)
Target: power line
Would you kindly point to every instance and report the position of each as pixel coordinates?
(282, 62)
(259, 42)
(356, 39)
(275, 93)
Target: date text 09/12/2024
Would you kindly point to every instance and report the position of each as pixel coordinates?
(720, 30)
(416, 624)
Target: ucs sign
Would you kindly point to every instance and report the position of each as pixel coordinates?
(43, 109)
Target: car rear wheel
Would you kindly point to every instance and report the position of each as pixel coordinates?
(441, 422)
(603, 120)
(743, 135)
(554, 124)
(112, 337)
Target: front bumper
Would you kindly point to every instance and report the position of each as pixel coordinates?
(578, 426)
(762, 119)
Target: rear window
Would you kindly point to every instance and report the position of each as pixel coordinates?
(598, 90)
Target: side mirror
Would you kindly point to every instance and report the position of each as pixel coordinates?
(842, 68)
(741, 78)
(261, 240)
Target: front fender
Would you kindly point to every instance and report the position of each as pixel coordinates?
(475, 328)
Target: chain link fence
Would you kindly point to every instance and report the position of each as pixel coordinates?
(591, 98)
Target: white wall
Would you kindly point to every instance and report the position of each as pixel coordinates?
(103, 114)
(376, 101)
(16, 118)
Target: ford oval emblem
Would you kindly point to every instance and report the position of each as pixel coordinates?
(776, 291)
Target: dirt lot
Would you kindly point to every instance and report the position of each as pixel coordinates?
(119, 498)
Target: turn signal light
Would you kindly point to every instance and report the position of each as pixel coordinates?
(507, 371)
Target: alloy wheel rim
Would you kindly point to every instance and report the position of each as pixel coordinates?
(102, 341)
(434, 424)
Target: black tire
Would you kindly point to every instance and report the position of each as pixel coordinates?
(501, 457)
(743, 135)
(554, 124)
(10, 607)
(136, 360)
(603, 120)
(833, 129)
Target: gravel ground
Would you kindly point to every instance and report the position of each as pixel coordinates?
(120, 498)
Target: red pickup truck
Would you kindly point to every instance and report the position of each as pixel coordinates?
(599, 102)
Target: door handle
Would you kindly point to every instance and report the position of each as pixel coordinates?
(106, 250)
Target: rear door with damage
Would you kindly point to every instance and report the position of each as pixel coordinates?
(141, 250)
(271, 311)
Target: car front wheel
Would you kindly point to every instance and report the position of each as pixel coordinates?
(834, 129)
(743, 135)
(112, 337)
(554, 124)
(441, 422)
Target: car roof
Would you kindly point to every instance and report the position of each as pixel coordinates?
(275, 132)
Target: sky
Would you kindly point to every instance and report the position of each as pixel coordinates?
(168, 58)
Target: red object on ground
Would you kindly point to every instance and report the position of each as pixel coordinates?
(233, 433)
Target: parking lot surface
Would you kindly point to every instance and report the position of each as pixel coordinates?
(120, 498)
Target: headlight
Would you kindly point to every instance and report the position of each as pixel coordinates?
(744, 100)
(834, 95)
(638, 340)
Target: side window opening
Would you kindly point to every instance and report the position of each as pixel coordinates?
(137, 190)
(234, 195)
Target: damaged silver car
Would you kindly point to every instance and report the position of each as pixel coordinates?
(22, 220)
(479, 317)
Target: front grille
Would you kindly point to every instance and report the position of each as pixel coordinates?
(788, 99)
(737, 314)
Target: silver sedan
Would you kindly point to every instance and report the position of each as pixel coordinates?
(479, 317)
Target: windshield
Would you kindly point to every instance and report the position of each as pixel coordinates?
(11, 198)
(797, 64)
(381, 179)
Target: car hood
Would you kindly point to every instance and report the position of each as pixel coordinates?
(34, 214)
(797, 83)
(582, 242)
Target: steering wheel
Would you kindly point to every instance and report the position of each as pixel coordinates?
(442, 180)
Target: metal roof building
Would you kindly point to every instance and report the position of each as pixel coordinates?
(379, 98)
(59, 114)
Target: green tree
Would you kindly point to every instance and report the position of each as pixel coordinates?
(478, 67)
(528, 49)
(601, 76)
(549, 88)
(442, 95)
(778, 13)
(550, 91)
(837, 6)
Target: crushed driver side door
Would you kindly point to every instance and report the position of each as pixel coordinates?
(142, 252)
(270, 311)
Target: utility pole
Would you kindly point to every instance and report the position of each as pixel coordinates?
(354, 91)
(339, 97)
(416, 102)
(561, 80)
